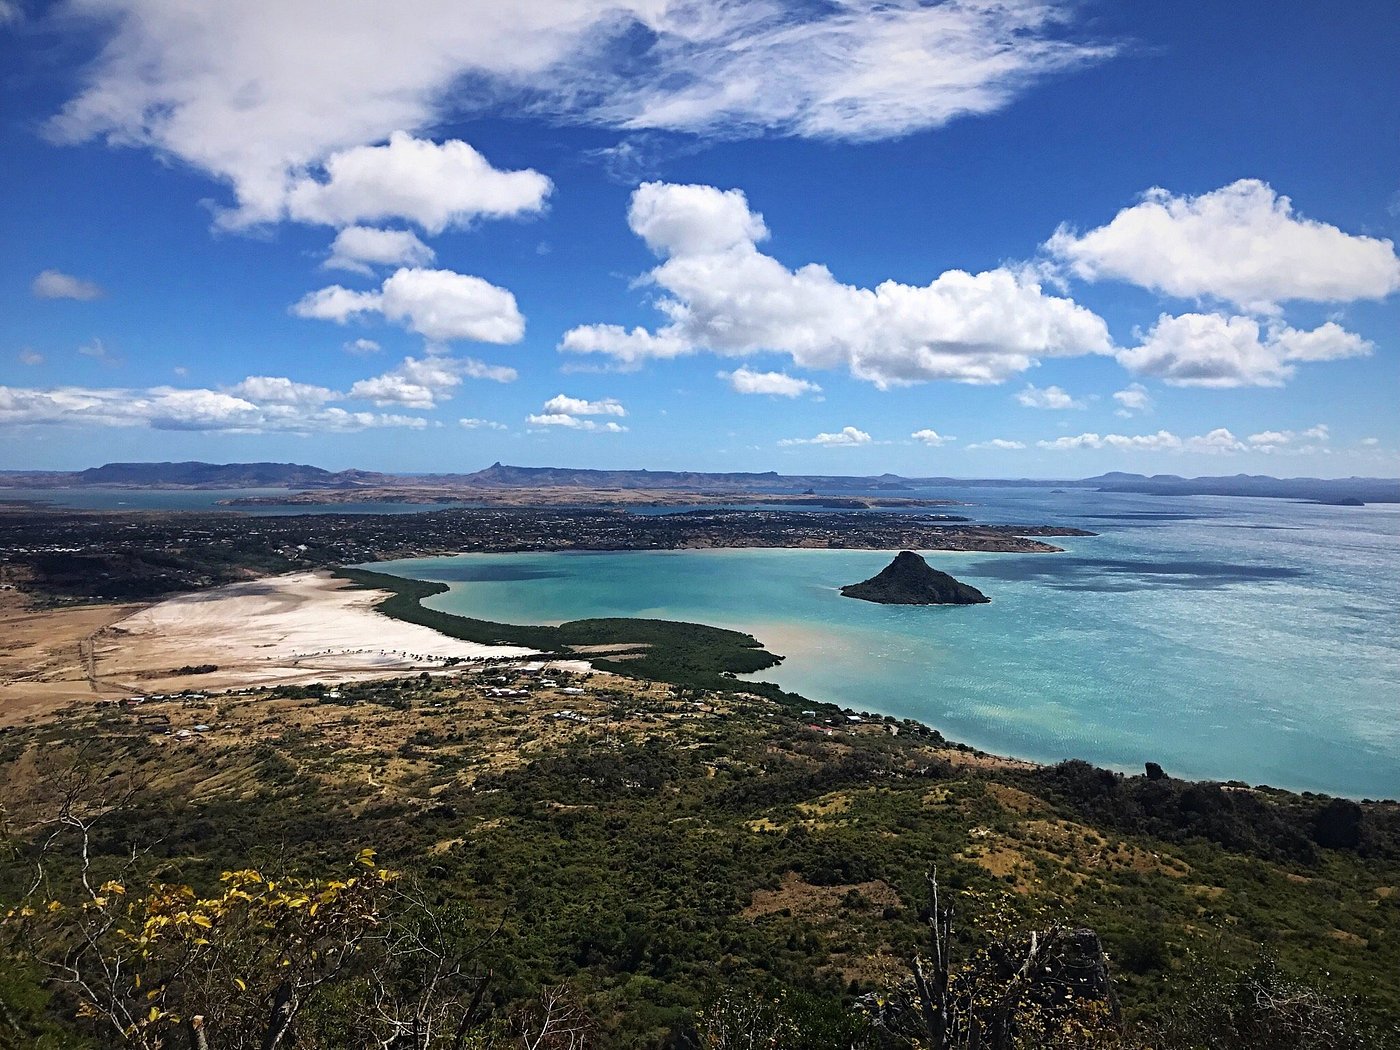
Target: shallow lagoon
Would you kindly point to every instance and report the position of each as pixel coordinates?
(1222, 637)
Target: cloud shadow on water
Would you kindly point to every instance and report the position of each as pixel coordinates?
(1103, 574)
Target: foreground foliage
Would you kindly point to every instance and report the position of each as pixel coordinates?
(656, 866)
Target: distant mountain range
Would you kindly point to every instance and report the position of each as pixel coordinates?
(300, 476)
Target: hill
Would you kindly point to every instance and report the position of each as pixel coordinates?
(909, 580)
(1337, 491)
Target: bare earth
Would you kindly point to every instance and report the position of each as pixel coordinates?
(45, 656)
(302, 627)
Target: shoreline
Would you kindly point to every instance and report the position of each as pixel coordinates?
(278, 630)
(978, 754)
(300, 628)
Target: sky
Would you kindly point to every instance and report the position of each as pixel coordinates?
(996, 238)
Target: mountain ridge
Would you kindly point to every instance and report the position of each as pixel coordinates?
(197, 474)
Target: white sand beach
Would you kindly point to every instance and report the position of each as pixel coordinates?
(300, 627)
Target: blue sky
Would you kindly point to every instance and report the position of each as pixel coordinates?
(1015, 239)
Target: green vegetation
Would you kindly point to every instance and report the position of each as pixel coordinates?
(683, 862)
(688, 654)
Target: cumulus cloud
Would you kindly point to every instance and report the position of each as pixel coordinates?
(358, 248)
(1050, 397)
(1298, 442)
(423, 382)
(999, 444)
(480, 424)
(777, 384)
(1216, 441)
(845, 436)
(55, 284)
(562, 404)
(279, 390)
(1209, 350)
(1132, 400)
(572, 413)
(725, 296)
(361, 347)
(435, 185)
(440, 305)
(561, 419)
(931, 437)
(260, 93)
(170, 408)
(30, 356)
(1242, 243)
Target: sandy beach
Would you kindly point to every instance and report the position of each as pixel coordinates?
(302, 627)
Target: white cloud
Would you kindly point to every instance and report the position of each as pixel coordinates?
(336, 303)
(474, 369)
(259, 93)
(630, 349)
(1132, 400)
(1000, 444)
(279, 390)
(1219, 440)
(562, 404)
(435, 185)
(931, 437)
(422, 382)
(438, 304)
(357, 248)
(169, 408)
(97, 350)
(10, 13)
(1370, 442)
(30, 356)
(1209, 350)
(1292, 441)
(778, 384)
(561, 419)
(572, 412)
(858, 70)
(1050, 397)
(480, 424)
(54, 284)
(727, 297)
(1241, 243)
(361, 347)
(845, 436)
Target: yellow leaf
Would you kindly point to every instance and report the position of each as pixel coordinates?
(201, 920)
(242, 984)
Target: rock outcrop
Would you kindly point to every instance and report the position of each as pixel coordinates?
(909, 580)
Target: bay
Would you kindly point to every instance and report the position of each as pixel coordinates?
(1223, 637)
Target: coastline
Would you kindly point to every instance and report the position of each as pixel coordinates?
(277, 630)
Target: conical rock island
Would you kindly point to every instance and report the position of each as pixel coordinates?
(909, 580)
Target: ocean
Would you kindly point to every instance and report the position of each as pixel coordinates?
(1222, 637)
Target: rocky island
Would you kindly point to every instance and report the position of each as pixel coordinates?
(909, 580)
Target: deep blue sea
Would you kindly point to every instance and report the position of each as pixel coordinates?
(1224, 637)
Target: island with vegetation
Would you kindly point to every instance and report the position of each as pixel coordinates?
(909, 580)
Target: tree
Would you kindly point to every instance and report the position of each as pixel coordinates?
(1048, 988)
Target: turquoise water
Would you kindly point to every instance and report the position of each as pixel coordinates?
(1226, 638)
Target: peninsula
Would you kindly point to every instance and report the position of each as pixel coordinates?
(909, 580)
